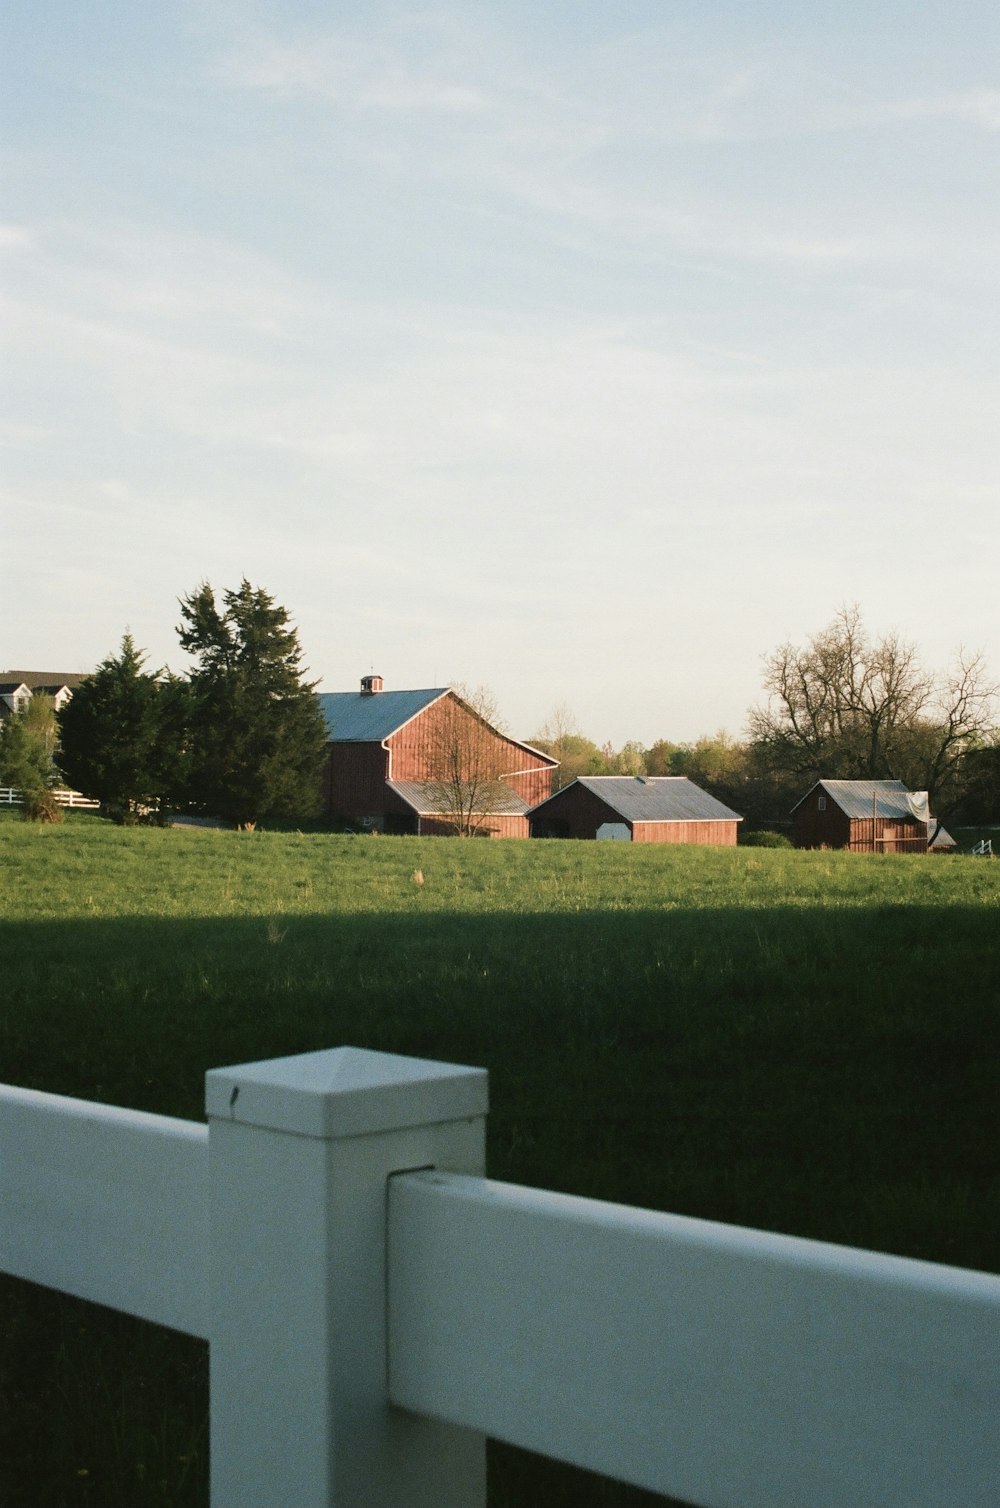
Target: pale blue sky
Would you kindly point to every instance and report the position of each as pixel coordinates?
(584, 351)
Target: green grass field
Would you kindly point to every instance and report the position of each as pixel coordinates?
(805, 1042)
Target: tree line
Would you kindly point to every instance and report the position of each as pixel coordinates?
(241, 737)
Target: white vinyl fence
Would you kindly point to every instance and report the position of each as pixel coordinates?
(375, 1307)
(10, 795)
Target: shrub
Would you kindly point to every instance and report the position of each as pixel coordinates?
(40, 806)
(765, 839)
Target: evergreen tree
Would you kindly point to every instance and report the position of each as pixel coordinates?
(257, 737)
(111, 742)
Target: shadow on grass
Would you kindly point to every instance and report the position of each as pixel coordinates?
(828, 1072)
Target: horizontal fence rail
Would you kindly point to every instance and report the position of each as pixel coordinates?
(720, 1365)
(12, 795)
(109, 1205)
(375, 1307)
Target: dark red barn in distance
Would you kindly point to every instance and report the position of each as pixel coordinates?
(636, 809)
(392, 757)
(866, 816)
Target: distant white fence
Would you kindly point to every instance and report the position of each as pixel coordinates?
(375, 1307)
(10, 795)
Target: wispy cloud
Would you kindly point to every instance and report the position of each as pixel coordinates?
(349, 73)
(978, 107)
(14, 237)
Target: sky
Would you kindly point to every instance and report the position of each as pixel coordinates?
(584, 352)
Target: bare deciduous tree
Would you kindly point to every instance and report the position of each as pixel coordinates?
(468, 760)
(845, 707)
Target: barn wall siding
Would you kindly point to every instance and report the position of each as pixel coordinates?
(493, 827)
(715, 834)
(354, 780)
(885, 835)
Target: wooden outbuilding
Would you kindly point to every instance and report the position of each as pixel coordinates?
(865, 816)
(635, 809)
(405, 761)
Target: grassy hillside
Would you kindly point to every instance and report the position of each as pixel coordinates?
(804, 1042)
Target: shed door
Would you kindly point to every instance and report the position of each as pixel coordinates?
(617, 832)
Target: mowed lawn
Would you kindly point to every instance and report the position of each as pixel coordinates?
(805, 1042)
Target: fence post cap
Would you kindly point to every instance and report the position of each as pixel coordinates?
(345, 1091)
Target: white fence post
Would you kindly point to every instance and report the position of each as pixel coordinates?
(300, 1153)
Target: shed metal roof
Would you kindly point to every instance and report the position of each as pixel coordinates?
(886, 798)
(426, 799)
(654, 798)
(369, 717)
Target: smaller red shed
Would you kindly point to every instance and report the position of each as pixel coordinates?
(865, 816)
(635, 809)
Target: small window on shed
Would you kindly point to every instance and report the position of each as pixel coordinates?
(821, 804)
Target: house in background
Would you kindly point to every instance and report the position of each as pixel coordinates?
(866, 816)
(392, 755)
(17, 687)
(636, 809)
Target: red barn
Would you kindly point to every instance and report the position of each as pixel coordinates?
(636, 809)
(426, 762)
(866, 816)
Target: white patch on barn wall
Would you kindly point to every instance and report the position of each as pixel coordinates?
(617, 832)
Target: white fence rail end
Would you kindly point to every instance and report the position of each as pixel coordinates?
(375, 1307)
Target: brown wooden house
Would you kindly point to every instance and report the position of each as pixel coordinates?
(866, 816)
(635, 809)
(392, 757)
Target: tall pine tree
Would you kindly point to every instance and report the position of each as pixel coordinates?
(256, 736)
(113, 739)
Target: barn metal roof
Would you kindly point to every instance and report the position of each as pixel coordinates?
(654, 798)
(887, 798)
(369, 717)
(426, 799)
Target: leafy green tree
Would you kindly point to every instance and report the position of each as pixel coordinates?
(630, 759)
(27, 746)
(661, 755)
(256, 736)
(712, 762)
(111, 739)
(576, 754)
(980, 800)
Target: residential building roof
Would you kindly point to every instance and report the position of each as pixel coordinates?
(44, 680)
(427, 800)
(653, 798)
(370, 717)
(890, 799)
